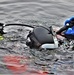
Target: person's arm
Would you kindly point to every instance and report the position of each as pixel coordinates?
(61, 30)
(64, 28)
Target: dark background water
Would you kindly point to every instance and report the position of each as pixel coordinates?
(35, 12)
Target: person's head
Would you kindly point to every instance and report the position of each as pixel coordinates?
(67, 22)
(70, 20)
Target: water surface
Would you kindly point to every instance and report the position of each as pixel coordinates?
(35, 12)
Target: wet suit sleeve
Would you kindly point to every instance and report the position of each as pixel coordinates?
(64, 28)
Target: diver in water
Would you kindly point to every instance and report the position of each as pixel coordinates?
(43, 37)
(46, 37)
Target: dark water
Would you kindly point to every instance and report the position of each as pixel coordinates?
(34, 12)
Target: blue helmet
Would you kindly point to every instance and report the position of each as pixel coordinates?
(67, 22)
(72, 18)
(69, 30)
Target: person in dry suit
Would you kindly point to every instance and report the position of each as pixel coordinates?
(46, 37)
(42, 37)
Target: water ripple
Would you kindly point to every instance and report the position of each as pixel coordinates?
(35, 12)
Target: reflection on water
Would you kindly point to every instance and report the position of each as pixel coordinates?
(34, 12)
